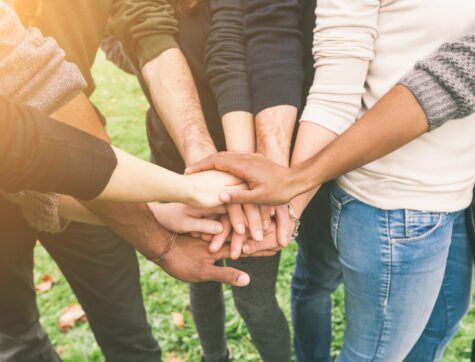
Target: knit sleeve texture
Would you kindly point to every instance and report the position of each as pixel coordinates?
(146, 28)
(273, 35)
(444, 84)
(225, 57)
(33, 67)
(343, 47)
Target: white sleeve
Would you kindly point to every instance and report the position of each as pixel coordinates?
(343, 46)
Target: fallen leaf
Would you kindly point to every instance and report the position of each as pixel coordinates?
(46, 284)
(178, 320)
(173, 358)
(60, 350)
(70, 316)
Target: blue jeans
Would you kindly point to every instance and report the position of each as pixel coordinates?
(317, 275)
(396, 283)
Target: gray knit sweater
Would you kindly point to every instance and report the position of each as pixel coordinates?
(35, 73)
(444, 84)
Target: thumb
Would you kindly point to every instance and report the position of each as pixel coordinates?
(227, 275)
(203, 165)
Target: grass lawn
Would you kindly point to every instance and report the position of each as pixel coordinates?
(120, 99)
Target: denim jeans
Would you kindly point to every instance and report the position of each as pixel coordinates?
(317, 275)
(394, 271)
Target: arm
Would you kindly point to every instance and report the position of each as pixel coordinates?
(436, 91)
(227, 73)
(46, 81)
(275, 62)
(146, 29)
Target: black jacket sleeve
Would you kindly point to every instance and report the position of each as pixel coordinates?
(226, 57)
(274, 52)
(41, 154)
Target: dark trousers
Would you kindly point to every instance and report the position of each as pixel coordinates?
(104, 274)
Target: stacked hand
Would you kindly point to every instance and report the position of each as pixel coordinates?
(244, 224)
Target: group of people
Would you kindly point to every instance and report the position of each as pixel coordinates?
(375, 181)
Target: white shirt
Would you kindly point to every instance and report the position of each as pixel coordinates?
(361, 49)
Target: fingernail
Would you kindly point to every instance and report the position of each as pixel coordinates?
(218, 229)
(187, 169)
(224, 197)
(266, 224)
(240, 228)
(259, 235)
(234, 254)
(243, 279)
(246, 249)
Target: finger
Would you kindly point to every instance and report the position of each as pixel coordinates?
(196, 234)
(236, 215)
(265, 216)
(213, 212)
(237, 242)
(203, 165)
(252, 246)
(205, 226)
(254, 222)
(220, 239)
(227, 275)
(207, 237)
(283, 224)
(236, 196)
(264, 253)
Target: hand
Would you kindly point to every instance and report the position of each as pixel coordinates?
(268, 247)
(190, 261)
(181, 218)
(269, 183)
(205, 187)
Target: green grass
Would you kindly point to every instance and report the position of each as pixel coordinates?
(120, 99)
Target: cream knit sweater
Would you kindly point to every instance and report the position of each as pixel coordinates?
(362, 48)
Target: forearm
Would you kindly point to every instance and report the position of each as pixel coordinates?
(274, 130)
(311, 139)
(175, 98)
(135, 180)
(239, 131)
(391, 123)
(135, 223)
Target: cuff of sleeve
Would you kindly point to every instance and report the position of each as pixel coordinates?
(151, 46)
(41, 211)
(434, 99)
(273, 93)
(233, 96)
(314, 114)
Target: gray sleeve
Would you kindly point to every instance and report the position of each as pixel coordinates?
(444, 84)
(225, 57)
(34, 70)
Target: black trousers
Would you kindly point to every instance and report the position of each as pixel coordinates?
(102, 270)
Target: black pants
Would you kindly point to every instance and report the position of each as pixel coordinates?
(102, 270)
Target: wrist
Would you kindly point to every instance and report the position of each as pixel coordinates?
(195, 154)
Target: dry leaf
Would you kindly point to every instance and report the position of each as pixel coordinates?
(178, 320)
(46, 284)
(70, 316)
(60, 350)
(172, 358)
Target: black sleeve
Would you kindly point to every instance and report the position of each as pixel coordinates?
(44, 155)
(226, 57)
(274, 52)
